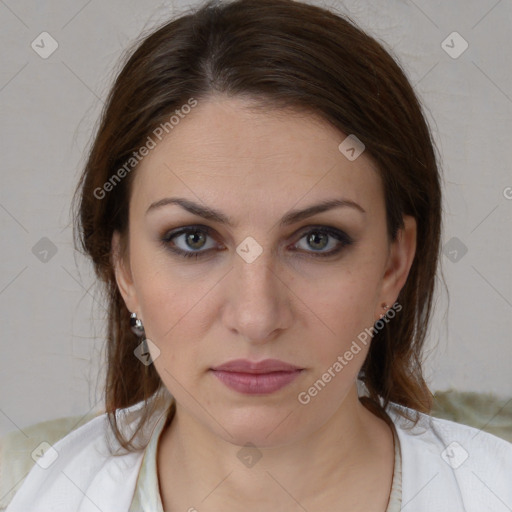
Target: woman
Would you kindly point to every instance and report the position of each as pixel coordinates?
(262, 202)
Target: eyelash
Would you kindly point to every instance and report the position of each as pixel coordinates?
(342, 237)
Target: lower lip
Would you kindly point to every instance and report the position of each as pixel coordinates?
(256, 383)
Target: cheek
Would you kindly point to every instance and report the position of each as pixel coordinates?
(338, 306)
(171, 316)
(166, 296)
(168, 307)
(337, 343)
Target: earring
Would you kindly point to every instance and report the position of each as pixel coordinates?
(385, 306)
(136, 325)
(138, 329)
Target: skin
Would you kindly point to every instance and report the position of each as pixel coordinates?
(331, 454)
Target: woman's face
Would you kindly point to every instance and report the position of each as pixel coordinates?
(299, 291)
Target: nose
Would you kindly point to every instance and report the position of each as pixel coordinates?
(258, 305)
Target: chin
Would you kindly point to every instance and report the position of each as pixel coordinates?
(261, 426)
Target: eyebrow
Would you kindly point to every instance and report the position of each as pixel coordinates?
(291, 217)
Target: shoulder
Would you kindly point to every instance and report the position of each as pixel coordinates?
(439, 432)
(20, 449)
(88, 463)
(464, 465)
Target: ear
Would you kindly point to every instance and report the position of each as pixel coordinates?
(123, 274)
(400, 258)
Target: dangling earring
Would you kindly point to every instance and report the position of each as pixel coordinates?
(385, 306)
(138, 329)
(136, 325)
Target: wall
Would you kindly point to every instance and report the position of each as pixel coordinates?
(51, 312)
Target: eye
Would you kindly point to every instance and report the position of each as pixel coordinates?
(190, 241)
(318, 239)
(192, 237)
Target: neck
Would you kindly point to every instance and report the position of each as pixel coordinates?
(331, 462)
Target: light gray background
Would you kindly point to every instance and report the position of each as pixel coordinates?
(51, 312)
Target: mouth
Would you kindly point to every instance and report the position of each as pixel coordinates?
(253, 378)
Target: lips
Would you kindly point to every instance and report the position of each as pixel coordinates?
(255, 367)
(256, 377)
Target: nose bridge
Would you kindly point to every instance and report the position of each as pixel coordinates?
(258, 298)
(255, 272)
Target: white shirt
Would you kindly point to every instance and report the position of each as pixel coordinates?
(446, 467)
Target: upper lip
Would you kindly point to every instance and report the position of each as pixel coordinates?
(265, 366)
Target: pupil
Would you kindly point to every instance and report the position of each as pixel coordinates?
(314, 236)
(192, 236)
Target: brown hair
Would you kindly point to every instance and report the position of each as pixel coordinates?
(284, 54)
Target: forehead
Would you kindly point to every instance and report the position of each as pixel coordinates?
(224, 150)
